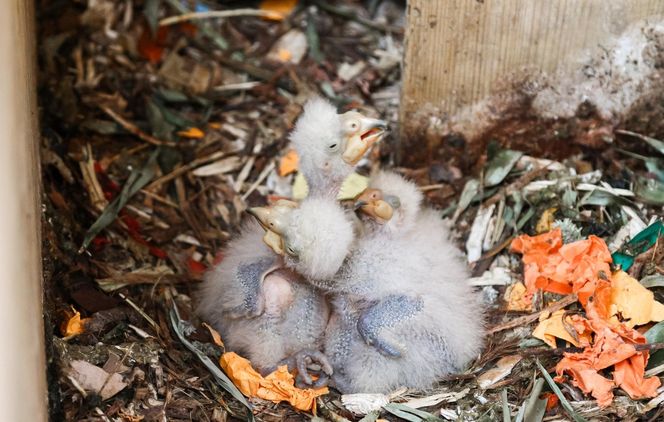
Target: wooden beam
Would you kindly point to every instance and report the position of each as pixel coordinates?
(458, 50)
(22, 384)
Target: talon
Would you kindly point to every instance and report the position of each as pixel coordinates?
(302, 361)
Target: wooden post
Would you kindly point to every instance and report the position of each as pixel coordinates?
(22, 383)
(458, 51)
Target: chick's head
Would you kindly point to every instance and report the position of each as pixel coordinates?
(313, 238)
(329, 145)
(390, 203)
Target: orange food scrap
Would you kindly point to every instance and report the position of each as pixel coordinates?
(635, 304)
(288, 163)
(552, 400)
(277, 387)
(576, 332)
(514, 296)
(192, 133)
(614, 305)
(281, 8)
(586, 378)
(563, 269)
(74, 325)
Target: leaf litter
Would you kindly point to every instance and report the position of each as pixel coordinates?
(156, 138)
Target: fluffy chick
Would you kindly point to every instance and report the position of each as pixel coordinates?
(314, 240)
(262, 310)
(329, 145)
(402, 314)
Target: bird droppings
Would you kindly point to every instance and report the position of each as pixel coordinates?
(184, 125)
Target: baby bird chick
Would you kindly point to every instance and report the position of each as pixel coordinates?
(402, 312)
(314, 239)
(263, 311)
(329, 145)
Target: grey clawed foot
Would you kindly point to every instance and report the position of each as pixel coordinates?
(310, 363)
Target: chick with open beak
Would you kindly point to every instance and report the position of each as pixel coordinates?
(376, 205)
(330, 145)
(360, 134)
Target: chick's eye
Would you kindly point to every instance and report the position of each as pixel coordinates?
(333, 146)
(290, 251)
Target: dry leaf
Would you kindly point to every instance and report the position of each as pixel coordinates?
(586, 378)
(290, 48)
(503, 368)
(363, 403)
(222, 166)
(216, 337)
(277, 387)
(545, 222)
(95, 380)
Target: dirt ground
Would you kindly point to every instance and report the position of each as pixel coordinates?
(156, 138)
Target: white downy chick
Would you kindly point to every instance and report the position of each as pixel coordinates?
(262, 310)
(402, 313)
(329, 145)
(314, 239)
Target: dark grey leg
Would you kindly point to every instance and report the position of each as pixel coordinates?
(249, 277)
(385, 314)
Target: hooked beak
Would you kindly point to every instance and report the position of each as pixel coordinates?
(373, 203)
(273, 221)
(261, 214)
(370, 132)
(265, 217)
(359, 204)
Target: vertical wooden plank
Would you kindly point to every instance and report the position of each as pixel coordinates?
(22, 384)
(457, 50)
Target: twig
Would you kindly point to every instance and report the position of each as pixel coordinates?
(558, 351)
(141, 312)
(655, 371)
(133, 129)
(259, 180)
(428, 188)
(220, 14)
(349, 14)
(527, 319)
(183, 169)
(242, 86)
(258, 73)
